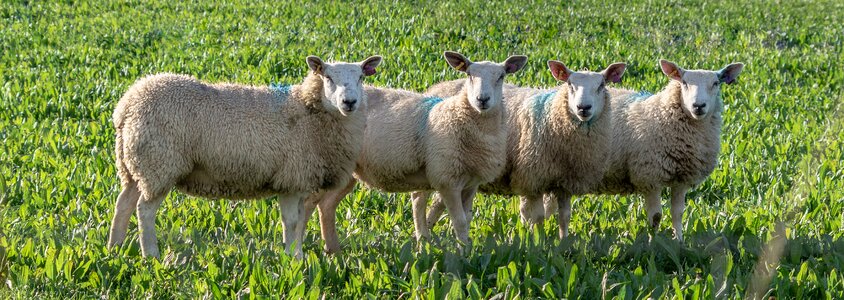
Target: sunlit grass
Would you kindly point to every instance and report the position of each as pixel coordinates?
(63, 66)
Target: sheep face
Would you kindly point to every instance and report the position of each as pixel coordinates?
(701, 89)
(485, 79)
(587, 92)
(342, 83)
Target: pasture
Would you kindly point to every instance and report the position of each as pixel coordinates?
(777, 196)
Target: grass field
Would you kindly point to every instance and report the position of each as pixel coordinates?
(775, 197)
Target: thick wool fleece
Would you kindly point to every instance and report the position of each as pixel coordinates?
(232, 141)
(657, 144)
(417, 143)
(548, 148)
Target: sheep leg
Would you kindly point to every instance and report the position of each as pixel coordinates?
(420, 202)
(292, 211)
(653, 207)
(563, 200)
(127, 201)
(454, 205)
(532, 210)
(468, 197)
(435, 210)
(328, 216)
(678, 204)
(551, 205)
(147, 209)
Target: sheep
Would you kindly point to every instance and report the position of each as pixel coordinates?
(415, 143)
(237, 142)
(671, 139)
(559, 138)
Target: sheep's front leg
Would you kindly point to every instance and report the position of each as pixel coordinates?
(678, 204)
(468, 197)
(147, 209)
(328, 216)
(453, 201)
(127, 202)
(653, 207)
(420, 203)
(292, 216)
(563, 200)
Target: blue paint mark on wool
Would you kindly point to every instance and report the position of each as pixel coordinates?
(641, 95)
(428, 103)
(541, 106)
(281, 90)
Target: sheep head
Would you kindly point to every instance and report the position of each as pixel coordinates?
(342, 83)
(485, 79)
(700, 90)
(587, 91)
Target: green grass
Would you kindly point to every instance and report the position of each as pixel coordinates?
(64, 65)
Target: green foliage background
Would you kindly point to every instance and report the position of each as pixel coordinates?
(64, 65)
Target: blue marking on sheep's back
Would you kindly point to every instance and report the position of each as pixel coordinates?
(541, 105)
(428, 103)
(641, 95)
(281, 90)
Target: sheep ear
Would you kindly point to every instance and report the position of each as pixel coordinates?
(457, 61)
(369, 65)
(514, 63)
(614, 72)
(315, 63)
(559, 70)
(671, 70)
(730, 73)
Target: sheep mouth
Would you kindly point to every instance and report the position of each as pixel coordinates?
(584, 115)
(348, 108)
(698, 113)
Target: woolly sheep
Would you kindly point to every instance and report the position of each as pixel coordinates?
(670, 139)
(416, 144)
(559, 138)
(237, 142)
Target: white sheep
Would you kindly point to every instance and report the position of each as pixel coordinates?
(559, 138)
(671, 139)
(415, 143)
(237, 142)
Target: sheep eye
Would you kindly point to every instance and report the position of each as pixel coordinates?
(601, 86)
(329, 79)
(684, 82)
(717, 83)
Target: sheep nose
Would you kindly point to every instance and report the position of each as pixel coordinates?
(699, 105)
(584, 106)
(350, 102)
(483, 100)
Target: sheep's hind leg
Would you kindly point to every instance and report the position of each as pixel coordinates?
(147, 209)
(653, 207)
(328, 216)
(127, 201)
(292, 213)
(420, 202)
(678, 204)
(563, 200)
(532, 210)
(435, 210)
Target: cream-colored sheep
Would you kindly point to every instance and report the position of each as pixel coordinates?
(416, 144)
(559, 138)
(671, 139)
(237, 142)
